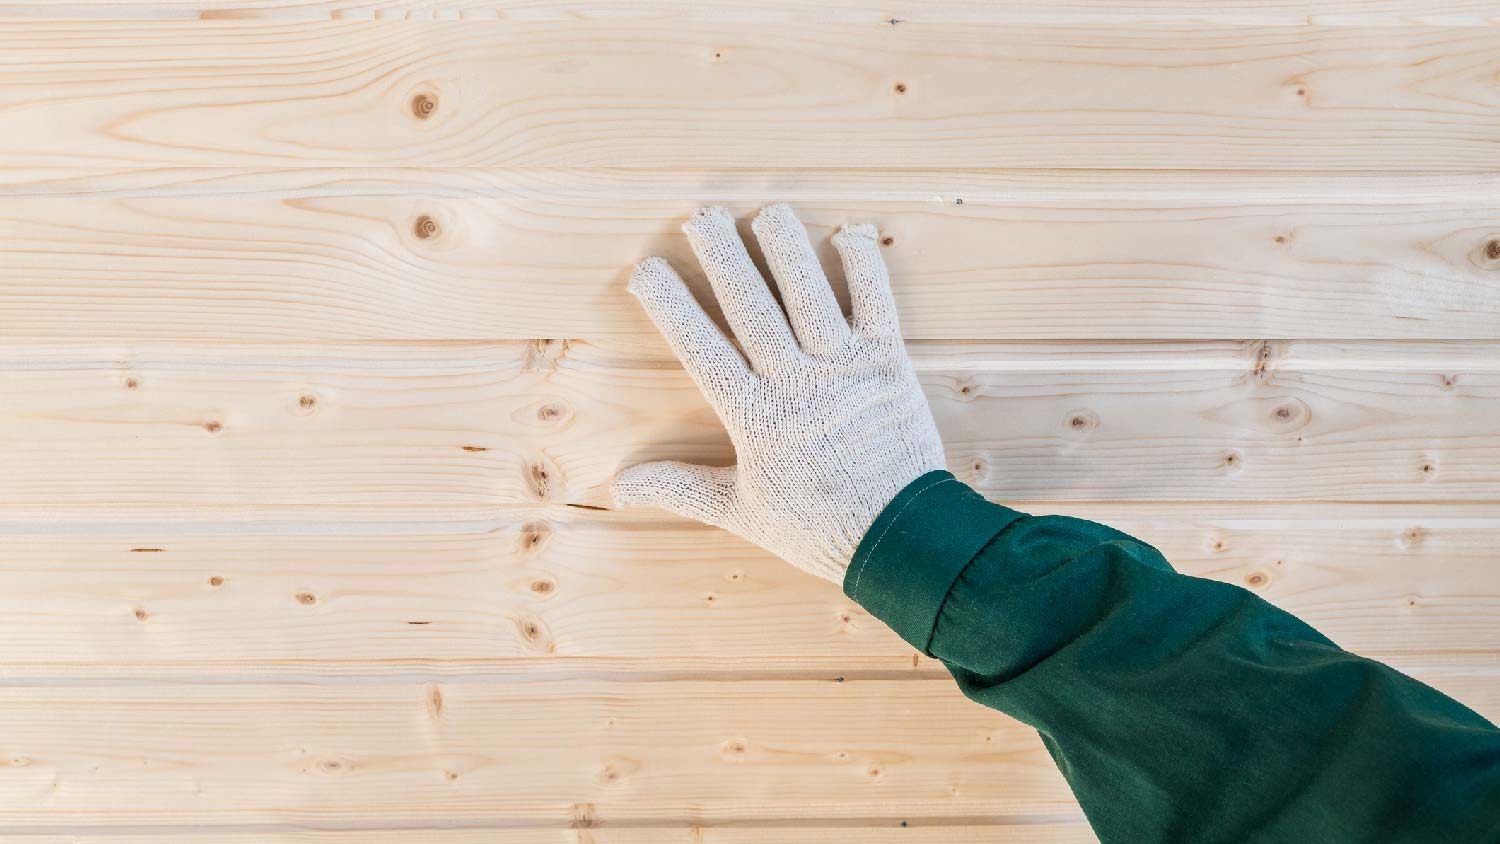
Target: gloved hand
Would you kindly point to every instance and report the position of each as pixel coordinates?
(825, 414)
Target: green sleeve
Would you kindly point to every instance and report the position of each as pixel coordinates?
(1179, 709)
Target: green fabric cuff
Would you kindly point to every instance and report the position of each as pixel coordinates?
(915, 550)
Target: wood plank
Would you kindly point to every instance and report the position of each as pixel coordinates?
(711, 753)
(547, 594)
(892, 832)
(428, 254)
(459, 426)
(1242, 12)
(711, 94)
(536, 754)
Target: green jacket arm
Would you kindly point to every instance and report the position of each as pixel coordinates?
(1179, 709)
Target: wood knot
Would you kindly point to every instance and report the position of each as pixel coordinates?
(1412, 536)
(1231, 459)
(900, 87)
(544, 354)
(1265, 354)
(213, 426)
(617, 769)
(543, 586)
(1486, 255)
(540, 481)
(1082, 421)
(423, 105)
(533, 534)
(1288, 415)
(1448, 381)
(1257, 579)
(426, 228)
(216, 581)
(551, 412)
(306, 599)
(583, 816)
(735, 747)
(887, 241)
(141, 615)
(132, 384)
(531, 631)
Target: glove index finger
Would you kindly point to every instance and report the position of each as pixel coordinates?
(707, 355)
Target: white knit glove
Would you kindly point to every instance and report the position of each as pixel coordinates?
(825, 415)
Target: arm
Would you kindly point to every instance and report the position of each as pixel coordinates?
(1179, 709)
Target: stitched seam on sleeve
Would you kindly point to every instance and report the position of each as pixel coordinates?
(854, 591)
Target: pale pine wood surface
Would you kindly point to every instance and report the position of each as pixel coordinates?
(467, 425)
(1027, 831)
(374, 254)
(1259, 12)
(634, 93)
(555, 594)
(315, 362)
(478, 751)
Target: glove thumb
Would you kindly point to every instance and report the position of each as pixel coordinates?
(704, 493)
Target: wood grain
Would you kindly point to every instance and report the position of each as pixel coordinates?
(635, 94)
(892, 832)
(478, 752)
(1243, 12)
(579, 593)
(476, 425)
(315, 360)
(427, 255)
(539, 754)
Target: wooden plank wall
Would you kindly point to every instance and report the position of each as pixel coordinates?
(315, 362)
